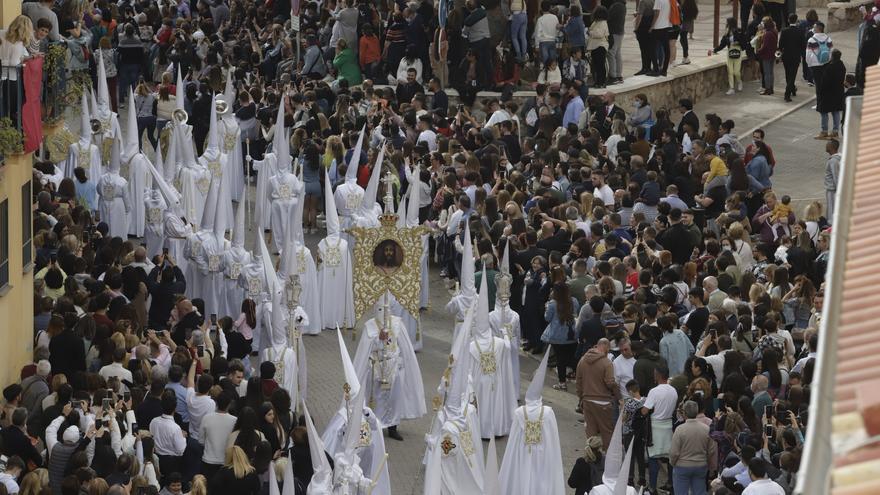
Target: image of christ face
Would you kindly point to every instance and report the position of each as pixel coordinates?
(387, 257)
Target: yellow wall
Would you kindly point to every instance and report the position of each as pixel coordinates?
(16, 305)
(9, 10)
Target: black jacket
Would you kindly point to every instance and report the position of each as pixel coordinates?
(831, 88)
(676, 240)
(688, 118)
(15, 442)
(792, 44)
(67, 354)
(163, 294)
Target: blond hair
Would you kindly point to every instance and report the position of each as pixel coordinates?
(199, 485)
(238, 461)
(21, 29)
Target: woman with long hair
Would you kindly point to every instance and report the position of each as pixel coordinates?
(237, 476)
(777, 376)
(199, 485)
(533, 322)
(560, 332)
(314, 191)
(247, 320)
(245, 434)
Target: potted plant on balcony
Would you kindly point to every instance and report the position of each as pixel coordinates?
(11, 139)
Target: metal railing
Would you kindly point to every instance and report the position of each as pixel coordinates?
(11, 100)
(54, 88)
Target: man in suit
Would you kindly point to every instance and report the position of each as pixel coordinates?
(792, 44)
(675, 239)
(686, 107)
(610, 111)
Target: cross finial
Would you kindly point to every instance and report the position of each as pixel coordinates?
(389, 196)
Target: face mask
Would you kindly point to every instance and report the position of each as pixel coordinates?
(637, 103)
(726, 247)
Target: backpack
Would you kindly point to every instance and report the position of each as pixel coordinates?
(823, 55)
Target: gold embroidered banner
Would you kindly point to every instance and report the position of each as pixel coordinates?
(387, 258)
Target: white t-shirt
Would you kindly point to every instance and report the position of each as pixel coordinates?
(215, 430)
(623, 372)
(763, 487)
(429, 137)
(661, 20)
(662, 400)
(605, 194)
(11, 55)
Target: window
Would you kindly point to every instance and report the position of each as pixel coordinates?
(4, 244)
(27, 244)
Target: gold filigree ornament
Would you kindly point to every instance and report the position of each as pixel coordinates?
(229, 140)
(213, 263)
(447, 445)
(59, 146)
(203, 184)
(154, 216)
(534, 430)
(215, 168)
(235, 271)
(370, 282)
(108, 190)
(488, 364)
(254, 285)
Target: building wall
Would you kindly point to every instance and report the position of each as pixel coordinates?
(16, 300)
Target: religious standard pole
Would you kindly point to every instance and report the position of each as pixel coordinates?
(294, 290)
(716, 23)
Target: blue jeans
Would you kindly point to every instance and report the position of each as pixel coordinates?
(654, 470)
(518, 23)
(689, 480)
(548, 51)
(835, 121)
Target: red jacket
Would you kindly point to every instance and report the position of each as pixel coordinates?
(768, 45)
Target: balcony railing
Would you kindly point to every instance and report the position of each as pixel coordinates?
(54, 94)
(11, 100)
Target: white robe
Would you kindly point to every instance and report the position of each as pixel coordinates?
(290, 372)
(335, 282)
(403, 397)
(309, 298)
(194, 183)
(113, 203)
(462, 468)
(458, 306)
(234, 260)
(285, 193)
(230, 138)
(177, 234)
(139, 179)
(266, 169)
(496, 398)
(91, 164)
(371, 453)
(154, 223)
(253, 281)
(348, 197)
(211, 273)
(412, 323)
(193, 253)
(536, 468)
(505, 324)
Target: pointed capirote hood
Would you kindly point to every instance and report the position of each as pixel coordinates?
(115, 159)
(172, 197)
(238, 231)
(273, 480)
(85, 132)
(354, 161)
(616, 460)
(491, 480)
(434, 472)
(351, 378)
(323, 473)
(268, 269)
(289, 486)
(212, 204)
(229, 91)
(330, 215)
(289, 258)
(534, 394)
(456, 393)
(159, 162)
(94, 105)
(352, 437)
(483, 329)
(132, 144)
(212, 147)
(296, 229)
(401, 213)
(412, 206)
(280, 144)
(169, 170)
(504, 267)
(180, 91)
(369, 202)
(467, 281)
(223, 219)
(104, 107)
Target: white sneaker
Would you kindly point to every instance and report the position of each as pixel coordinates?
(739, 86)
(685, 61)
(730, 92)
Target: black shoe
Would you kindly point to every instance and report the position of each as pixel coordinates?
(537, 350)
(662, 74)
(654, 74)
(639, 73)
(392, 433)
(787, 99)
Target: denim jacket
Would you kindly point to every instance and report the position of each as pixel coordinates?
(556, 331)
